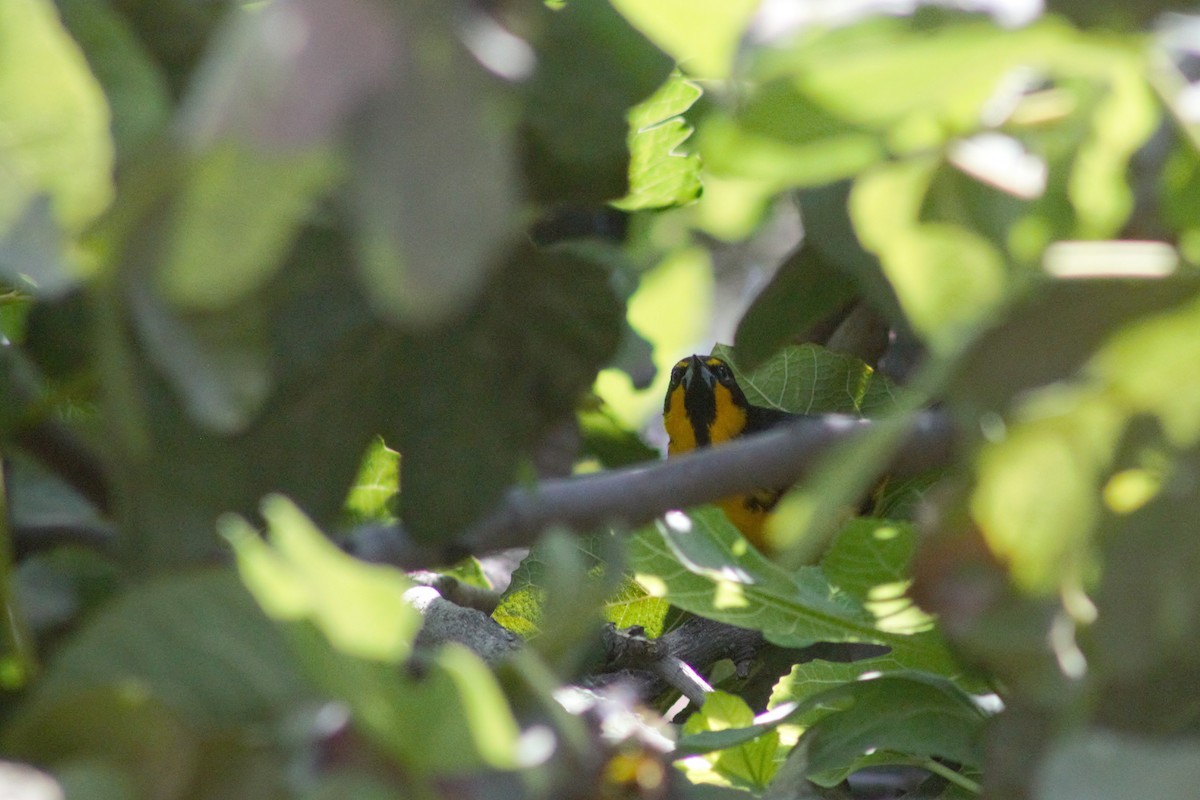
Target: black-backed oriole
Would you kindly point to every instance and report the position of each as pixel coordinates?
(705, 406)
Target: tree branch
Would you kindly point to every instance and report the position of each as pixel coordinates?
(638, 494)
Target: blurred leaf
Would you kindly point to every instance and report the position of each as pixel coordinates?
(1063, 322)
(947, 278)
(62, 148)
(1103, 765)
(805, 289)
(700, 563)
(1147, 365)
(808, 379)
(175, 32)
(372, 497)
(1036, 498)
(232, 190)
(751, 763)
(829, 229)
(730, 150)
(703, 37)
(352, 627)
(197, 644)
(592, 68)
(433, 194)
(478, 394)
(123, 727)
(175, 477)
(913, 713)
(606, 439)
(660, 175)
(219, 362)
(301, 575)
(133, 82)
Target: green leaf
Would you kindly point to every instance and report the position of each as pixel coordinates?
(302, 575)
(750, 763)
(805, 289)
(176, 476)
(567, 579)
(660, 175)
(1145, 364)
(592, 67)
(913, 714)
(197, 644)
(352, 627)
(55, 120)
(869, 559)
(808, 379)
(373, 494)
(702, 36)
(701, 564)
(948, 279)
(1035, 498)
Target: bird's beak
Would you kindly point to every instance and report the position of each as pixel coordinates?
(696, 368)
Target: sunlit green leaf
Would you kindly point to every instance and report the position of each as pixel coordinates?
(947, 278)
(1036, 497)
(700, 563)
(869, 559)
(55, 120)
(660, 173)
(302, 575)
(702, 37)
(375, 489)
(752, 763)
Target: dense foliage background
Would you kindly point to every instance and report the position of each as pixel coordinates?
(287, 275)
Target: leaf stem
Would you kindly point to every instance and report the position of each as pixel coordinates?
(954, 776)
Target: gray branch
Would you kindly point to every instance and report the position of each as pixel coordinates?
(636, 495)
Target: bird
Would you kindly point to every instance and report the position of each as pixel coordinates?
(704, 407)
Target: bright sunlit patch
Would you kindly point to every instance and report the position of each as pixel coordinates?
(1130, 489)
(500, 52)
(1110, 260)
(729, 594)
(1071, 660)
(535, 746)
(870, 675)
(654, 585)
(1001, 161)
(678, 521)
(885, 533)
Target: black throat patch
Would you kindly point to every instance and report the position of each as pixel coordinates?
(700, 402)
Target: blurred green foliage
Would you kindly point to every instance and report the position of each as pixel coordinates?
(272, 269)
